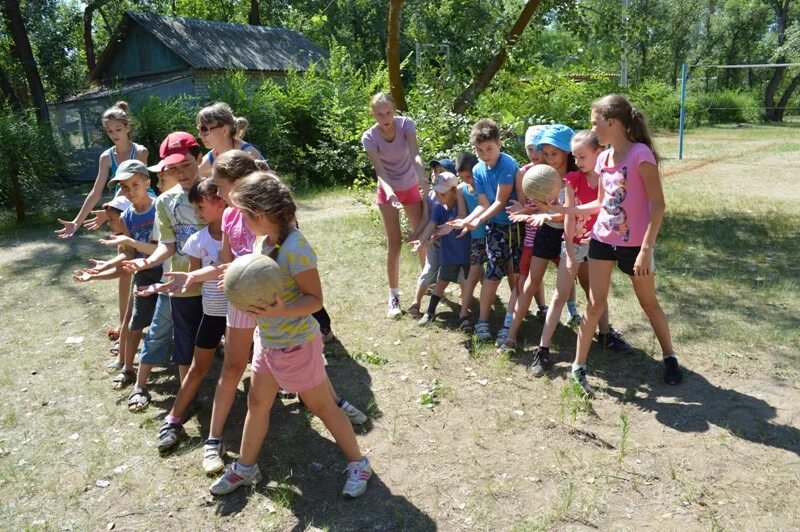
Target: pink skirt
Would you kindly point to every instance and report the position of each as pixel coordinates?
(297, 369)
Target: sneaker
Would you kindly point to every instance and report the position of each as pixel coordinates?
(574, 322)
(541, 360)
(169, 435)
(394, 307)
(613, 340)
(212, 457)
(328, 337)
(289, 396)
(356, 416)
(358, 474)
(542, 312)
(672, 371)
(579, 378)
(482, 331)
(425, 320)
(502, 334)
(235, 477)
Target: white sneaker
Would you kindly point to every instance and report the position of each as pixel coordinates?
(356, 416)
(212, 457)
(358, 474)
(233, 478)
(394, 307)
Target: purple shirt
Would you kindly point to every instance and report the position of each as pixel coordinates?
(394, 155)
(625, 212)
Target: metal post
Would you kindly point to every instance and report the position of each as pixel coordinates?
(681, 123)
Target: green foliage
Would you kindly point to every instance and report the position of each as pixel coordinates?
(430, 397)
(728, 106)
(660, 103)
(156, 118)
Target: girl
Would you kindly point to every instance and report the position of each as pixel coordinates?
(630, 203)
(391, 145)
(237, 240)
(220, 131)
(290, 350)
(581, 188)
(117, 123)
(554, 143)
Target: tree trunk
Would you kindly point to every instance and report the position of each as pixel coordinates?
(16, 189)
(393, 53)
(88, 40)
(782, 16)
(254, 17)
(780, 110)
(471, 93)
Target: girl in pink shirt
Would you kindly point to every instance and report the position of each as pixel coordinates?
(630, 203)
(391, 145)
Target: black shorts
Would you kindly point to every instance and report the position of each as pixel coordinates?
(624, 255)
(454, 273)
(210, 332)
(547, 242)
(187, 313)
(144, 307)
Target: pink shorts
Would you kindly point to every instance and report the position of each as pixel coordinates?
(239, 319)
(408, 196)
(297, 369)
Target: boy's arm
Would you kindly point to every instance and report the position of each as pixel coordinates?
(145, 248)
(503, 193)
(424, 237)
(462, 203)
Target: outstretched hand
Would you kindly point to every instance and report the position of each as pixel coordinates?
(180, 282)
(93, 224)
(114, 240)
(68, 230)
(134, 265)
(82, 276)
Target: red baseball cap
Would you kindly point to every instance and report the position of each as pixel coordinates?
(175, 148)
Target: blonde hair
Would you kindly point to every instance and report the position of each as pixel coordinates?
(118, 112)
(266, 194)
(233, 165)
(585, 137)
(381, 98)
(635, 124)
(220, 114)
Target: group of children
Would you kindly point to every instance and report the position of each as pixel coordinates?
(212, 208)
(608, 211)
(176, 248)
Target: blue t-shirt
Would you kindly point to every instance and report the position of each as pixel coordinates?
(452, 250)
(471, 199)
(140, 226)
(488, 179)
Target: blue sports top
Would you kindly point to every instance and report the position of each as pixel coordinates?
(245, 145)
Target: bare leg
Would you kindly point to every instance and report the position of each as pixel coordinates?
(237, 351)
(599, 279)
(263, 389)
(201, 363)
(645, 288)
(564, 282)
(318, 400)
(391, 225)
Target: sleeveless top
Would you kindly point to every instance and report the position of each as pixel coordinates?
(245, 145)
(115, 165)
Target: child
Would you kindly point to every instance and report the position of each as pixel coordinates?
(581, 188)
(494, 183)
(391, 145)
(176, 222)
(137, 224)
(554, 144)
(220, 131)
(630, 203)
(453, 248)
(428, 251)
(290, 350)
(477, 245)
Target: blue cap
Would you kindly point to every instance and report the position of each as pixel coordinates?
(557, 135)
(448, 164)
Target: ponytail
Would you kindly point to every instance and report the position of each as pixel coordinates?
(619, 108)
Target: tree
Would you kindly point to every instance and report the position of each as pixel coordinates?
(254, 16)
(393, 53)
(468, 96)
(774, 113)
(88, 40)
(22, 51)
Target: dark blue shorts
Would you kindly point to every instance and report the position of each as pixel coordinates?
(187, 313)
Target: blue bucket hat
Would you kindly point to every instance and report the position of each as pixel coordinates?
(557, 135)
(448, 164)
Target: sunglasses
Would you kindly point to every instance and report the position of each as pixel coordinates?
(203, 130)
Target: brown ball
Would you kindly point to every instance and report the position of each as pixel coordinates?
(252, 280)
(541, 184)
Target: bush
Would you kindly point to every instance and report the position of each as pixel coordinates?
(727, 107)
(157, 118)
(659, 102)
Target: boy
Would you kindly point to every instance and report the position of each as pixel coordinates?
(477, 247)
(494, 184)
(176, 222)
(453, 250)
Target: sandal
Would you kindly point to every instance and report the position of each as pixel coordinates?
(114, 366)
(113, 333)
(464, 323)
(507, 347)
(114, 350)
(123, 379)
(138, 400)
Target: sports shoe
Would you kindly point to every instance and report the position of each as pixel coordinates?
(394, 310)
(169, 434)
(356, 416)
(424, 320)
(542, 312)
(212, 457)
(482, 331)
(541, 360)
(672, 371)
(574, 321)
(502, 334)
(235, 477)
(358, 474)
(579, 378)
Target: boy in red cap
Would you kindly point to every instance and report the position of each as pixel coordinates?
(175, 223)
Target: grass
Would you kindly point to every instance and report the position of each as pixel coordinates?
(498, 449)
